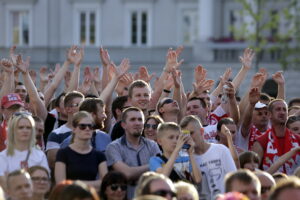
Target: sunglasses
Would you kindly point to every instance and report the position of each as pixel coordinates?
(114, 187)
(84, 126)
(167, 101)
(22, 113)
(164, 193)
(153, 126)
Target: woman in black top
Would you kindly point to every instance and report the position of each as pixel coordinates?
(79, 161)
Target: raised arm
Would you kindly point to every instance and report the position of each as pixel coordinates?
(35, 101)
(105, 60)
(75, 57)
(254, 96)
(279, 79)
(8, 82)
(234, 112)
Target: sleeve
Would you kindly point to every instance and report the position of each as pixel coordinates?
(112, 154)
(155, 163)
(155, 149)
(61, 156)
(3, 166)
(101, 157)
(52, 142)
(229, 165)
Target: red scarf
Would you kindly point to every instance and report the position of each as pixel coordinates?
(254, 133)
(273, 151)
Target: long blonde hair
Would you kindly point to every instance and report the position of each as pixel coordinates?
(12, 128)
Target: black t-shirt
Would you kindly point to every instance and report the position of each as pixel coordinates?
(80, 166)
(117, 131)
(49, 125)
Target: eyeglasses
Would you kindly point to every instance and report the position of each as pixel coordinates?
(164, 193)
(167, 101)
(114, 187)
(84, 126)
(40, 179)
(265, 189)
(153, 126)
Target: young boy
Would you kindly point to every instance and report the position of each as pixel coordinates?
(177, 167)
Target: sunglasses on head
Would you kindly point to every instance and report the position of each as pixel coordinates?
(114, 187)
(164, 193)
(22, 113)
(153, 126)
(167, 101)
(84, 126)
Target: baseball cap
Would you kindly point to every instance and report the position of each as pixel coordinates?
(11, 99)
(259, 105)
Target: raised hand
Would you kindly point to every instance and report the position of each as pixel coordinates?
(230, 90)
(168, 82)
(179, 50)
(7, 65)
(176, 77)
(257, 80)
(85, 86)
(44, 77)
(104, 57)
(225, 77)
(172, 61)
(96, 75)
(22, 65)
(278, 78)
(254, 96)
(202, 86)
(144, 74)
(75, 55)
(247, 58)
(225, 131)
(199, 74)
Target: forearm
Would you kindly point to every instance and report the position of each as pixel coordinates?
(238, 79)
(74, 82)
(218, 90)
(246, 120)
(196, 173)
(105, 77)
(281, 160)
(167, 168)
(8, 84)
(233, 152)
(281, 92)
(108, 90)
(234, 110)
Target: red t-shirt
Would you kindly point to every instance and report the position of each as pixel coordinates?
(3, 135)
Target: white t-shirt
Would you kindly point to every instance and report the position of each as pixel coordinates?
(12, 163)
(214, 164)
(210, 133)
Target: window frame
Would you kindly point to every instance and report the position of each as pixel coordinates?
(9, 25)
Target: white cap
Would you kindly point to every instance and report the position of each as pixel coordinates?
(259, 105)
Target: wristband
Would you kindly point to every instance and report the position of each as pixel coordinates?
(167, 91)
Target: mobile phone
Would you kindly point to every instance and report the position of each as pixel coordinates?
(186, 146)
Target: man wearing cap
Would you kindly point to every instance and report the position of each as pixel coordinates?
(277, 140)
(255, 121)
(10, 104)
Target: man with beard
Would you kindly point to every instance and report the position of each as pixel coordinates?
(130, 154)
(278, 140)
(96, 108)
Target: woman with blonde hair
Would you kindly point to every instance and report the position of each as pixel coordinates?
(185, 191)
(21, 151)
(79, 161)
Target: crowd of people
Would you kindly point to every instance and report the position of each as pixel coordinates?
(122, 135)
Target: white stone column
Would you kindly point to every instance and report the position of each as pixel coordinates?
(202, 51)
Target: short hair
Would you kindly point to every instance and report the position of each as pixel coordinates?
(241, 175)
(247, 157)
(271, 104)
(90, 105)
(166, 126)
(112, 177)
(225, 121)
(58, 188)
(17, 173)
(188, 119)
(78, 190)
(137, 84)
(32, 169)
(289, 183)
(58, 98)
(186, 188)
(294, 100)
(118, 103)
(144, 183)
(201, 100)
(12, 128)
(265, 97)
(37, 119)
(278, 176)
(70, 96)
(292, 119)
(130, 109)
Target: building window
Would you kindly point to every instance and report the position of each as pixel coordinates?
(19, 27)
(189, 26)
(236, 22)
(87, 27)
(139, 27)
